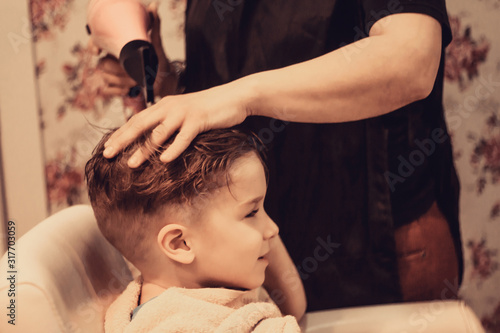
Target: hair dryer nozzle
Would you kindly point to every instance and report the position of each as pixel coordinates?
(138, 58)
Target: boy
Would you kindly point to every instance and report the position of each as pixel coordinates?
(197, 231)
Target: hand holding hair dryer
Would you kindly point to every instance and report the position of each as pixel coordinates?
(120, 27)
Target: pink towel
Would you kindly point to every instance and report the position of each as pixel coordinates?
(198, 310)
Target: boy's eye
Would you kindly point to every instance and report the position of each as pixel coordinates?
(252, 213)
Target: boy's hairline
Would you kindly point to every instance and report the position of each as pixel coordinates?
(193, 208)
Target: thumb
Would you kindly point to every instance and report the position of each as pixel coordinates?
(93, 48)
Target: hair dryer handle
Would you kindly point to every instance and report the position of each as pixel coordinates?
(139, 59)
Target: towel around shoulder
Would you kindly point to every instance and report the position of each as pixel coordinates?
(217, 310)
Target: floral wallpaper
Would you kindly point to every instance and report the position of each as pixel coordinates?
(74, 111)
(472, 104)
(48, 16)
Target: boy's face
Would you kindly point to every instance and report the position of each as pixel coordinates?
(232, 237)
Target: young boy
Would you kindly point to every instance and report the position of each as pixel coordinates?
(197, 231)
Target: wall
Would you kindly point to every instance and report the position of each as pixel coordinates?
(472, 102)
(70, 87)
(20, 130)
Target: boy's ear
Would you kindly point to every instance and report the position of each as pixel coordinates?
(174, 243)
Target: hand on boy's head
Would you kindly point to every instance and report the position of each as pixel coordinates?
(188, 114)
(142, 122)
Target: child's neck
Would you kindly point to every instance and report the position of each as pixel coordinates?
(150, 290)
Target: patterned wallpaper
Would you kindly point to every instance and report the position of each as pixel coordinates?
(472, 104)
(74, 110)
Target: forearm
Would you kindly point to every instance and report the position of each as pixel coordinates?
(283, 281)
(368, 78)
(395, 66)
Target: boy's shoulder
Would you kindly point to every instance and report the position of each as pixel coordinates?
(216, 309)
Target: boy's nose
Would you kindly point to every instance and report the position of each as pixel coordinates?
(271, 229)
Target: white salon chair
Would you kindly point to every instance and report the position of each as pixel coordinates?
(67, 275)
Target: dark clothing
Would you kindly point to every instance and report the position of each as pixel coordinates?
(350, 183)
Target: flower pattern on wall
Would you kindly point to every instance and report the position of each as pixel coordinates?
(464, 54)
(176, 6)
(486, 157)
(40, 67)
(64, 179)
(492, 323)
(47, 15)
(483, 260)
(467, 58)
(85, 84)
(495, 210)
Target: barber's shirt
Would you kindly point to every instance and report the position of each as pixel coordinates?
(337, 191)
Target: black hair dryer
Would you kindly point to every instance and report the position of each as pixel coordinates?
(120, 28)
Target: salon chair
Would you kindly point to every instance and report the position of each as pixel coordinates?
(67, 274)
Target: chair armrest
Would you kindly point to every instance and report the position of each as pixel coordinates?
(428, 317)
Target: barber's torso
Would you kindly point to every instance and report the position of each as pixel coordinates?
(328, 182)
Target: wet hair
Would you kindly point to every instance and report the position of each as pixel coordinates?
(132, 205)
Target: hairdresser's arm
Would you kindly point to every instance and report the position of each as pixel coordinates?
(283, 282)
(394, 66)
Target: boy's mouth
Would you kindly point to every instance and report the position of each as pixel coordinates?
(264, 255)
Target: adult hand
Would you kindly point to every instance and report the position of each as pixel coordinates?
(190, 114)
(118, 82)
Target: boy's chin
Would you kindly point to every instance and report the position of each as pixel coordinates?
(255, 284)
(248, 286)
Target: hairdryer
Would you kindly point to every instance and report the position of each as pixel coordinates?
(120, 28)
